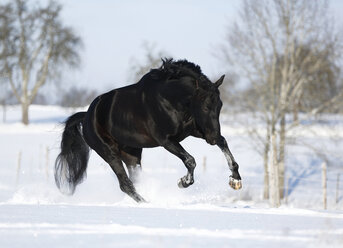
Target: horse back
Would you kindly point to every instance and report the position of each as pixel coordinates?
(122, 115)
(142, 114)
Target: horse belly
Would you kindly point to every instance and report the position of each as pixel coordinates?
(129, 126)
(133, 137)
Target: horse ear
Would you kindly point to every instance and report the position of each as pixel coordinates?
(219, 81)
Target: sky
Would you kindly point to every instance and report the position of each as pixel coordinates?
(113, 34)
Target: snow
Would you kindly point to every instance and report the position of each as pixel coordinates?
(33, 213)
(150, 226)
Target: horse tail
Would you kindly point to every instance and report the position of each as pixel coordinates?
(71, 163)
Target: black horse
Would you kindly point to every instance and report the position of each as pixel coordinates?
(167, 105)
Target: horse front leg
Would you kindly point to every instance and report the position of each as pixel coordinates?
(235, 179)
(176, 149)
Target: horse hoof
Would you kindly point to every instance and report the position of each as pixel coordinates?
(138, 198)
(182, 183)
(235, 183)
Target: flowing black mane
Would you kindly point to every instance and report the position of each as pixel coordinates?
(181, 68)
(171, 69)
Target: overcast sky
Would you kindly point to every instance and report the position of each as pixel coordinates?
(113, 32)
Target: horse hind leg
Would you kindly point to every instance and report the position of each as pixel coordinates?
(125, 183)
(132, 160)
(108, 150)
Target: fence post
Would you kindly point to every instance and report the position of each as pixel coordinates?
(47, 163)
(204, 164)
(324, 186)
(40, 158)
(4, 112)
(18, 168)
(286, 188)
(337, 189)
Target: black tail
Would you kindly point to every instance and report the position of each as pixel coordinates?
(71, 163)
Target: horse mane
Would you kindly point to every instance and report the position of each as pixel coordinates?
(182, 68)
(171, 69)
(176, 68)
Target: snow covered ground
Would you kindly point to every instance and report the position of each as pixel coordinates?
(125, 225)
(33, 213)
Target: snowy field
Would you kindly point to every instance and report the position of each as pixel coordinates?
(33, 213)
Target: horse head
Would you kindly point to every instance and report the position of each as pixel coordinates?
(206, 106)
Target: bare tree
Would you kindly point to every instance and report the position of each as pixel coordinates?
(280, 53)
(77, 97)
(152, 59)
(34, 45)
(4, 97)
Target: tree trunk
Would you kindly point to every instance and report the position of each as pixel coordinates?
(324, 184)
(25, 113)
(274, 196)
(295, 112)
(281, 160)
(266, 171)
(4, 112)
